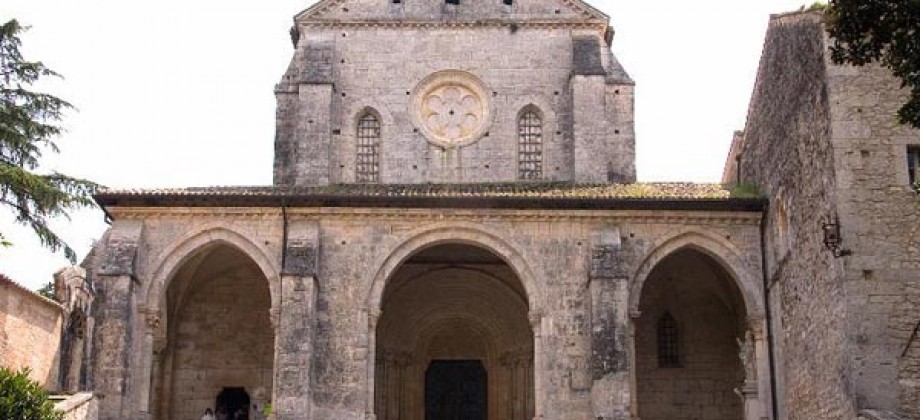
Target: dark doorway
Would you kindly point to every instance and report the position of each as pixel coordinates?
(233, 400)
(455, 390)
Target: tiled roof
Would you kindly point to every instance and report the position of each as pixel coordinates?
(509, 195)
(531, 190)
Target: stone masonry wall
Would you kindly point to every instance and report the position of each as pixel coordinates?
(880, 218)
(787, 152)
(557, 252)
(30, 333)
(377, 68)
(555, 248)
(224, 339)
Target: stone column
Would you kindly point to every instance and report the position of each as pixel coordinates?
(113, 344)
(760, 383)
(609, 366)
(294, 328)
(151, 319)
(373, 316)
(536, 324)
(511, 362)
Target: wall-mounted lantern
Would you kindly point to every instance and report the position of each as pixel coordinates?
(833, 240)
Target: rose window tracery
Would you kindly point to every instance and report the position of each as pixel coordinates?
(451, 109)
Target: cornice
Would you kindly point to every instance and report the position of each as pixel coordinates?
(401, 215)
(319, 9)
(437, 24)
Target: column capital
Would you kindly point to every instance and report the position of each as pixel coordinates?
(536, 321)
(151, 316)
(756, 326)
(373, 317)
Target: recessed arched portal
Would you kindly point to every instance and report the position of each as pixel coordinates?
(689, 337)
(454, 338)
(219, 337)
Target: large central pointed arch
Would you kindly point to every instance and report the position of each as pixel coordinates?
(464, 235)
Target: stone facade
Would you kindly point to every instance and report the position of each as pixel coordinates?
(30, 333)
(445, 211)
(550, 56)
(330, 364)
(823, 143)
(454, 198)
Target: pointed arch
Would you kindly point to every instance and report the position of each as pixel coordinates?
(174, 257)
(462, 233)
(743, 275)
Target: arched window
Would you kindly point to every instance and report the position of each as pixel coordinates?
(367, 160)
(668, 342)
(530, 145)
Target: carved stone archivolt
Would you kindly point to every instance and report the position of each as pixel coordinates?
(451, 109)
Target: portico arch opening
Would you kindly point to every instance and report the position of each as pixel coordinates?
(690, 340)
(454, 339)
(219, 339)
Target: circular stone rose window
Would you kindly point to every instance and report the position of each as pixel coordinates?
(451, 108)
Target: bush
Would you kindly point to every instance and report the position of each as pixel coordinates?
(23, 399)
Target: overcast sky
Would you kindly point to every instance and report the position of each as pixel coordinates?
(179, 92)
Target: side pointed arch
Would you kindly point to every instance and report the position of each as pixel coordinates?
(743, 275)
(174, 257)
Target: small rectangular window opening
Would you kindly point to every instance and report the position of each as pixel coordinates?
(508, 2)
(668, 347)
(397, 1)
(453, 1)
(913, 164)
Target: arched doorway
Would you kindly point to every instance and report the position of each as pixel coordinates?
(454, 339)
(688, 339)
(220, 342)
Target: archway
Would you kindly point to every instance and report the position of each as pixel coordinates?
(220, 341)
(448, 311)
(688, 338)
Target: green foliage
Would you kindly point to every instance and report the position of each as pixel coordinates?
(21, 398)
(744, 190)
(880, 31)
(27, 129)
(267, 410)
(48, 291)
(917, 187)
(818, 5)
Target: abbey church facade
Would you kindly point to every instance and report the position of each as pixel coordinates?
(455, 231)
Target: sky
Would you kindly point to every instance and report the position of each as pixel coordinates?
(178, 93)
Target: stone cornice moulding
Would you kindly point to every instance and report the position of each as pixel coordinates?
(431, 24)
(485, 215)
(319, 9)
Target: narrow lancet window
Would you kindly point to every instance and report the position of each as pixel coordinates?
(530, 145)
(367, 164)
(668, 344)
(913, 165)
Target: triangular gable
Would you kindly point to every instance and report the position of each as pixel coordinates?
(356, 10)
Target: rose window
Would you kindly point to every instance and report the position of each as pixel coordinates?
(451, 109)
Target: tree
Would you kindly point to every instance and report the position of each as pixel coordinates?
(48, 291)
(880, 31)
(28, 127)
(22, 398)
